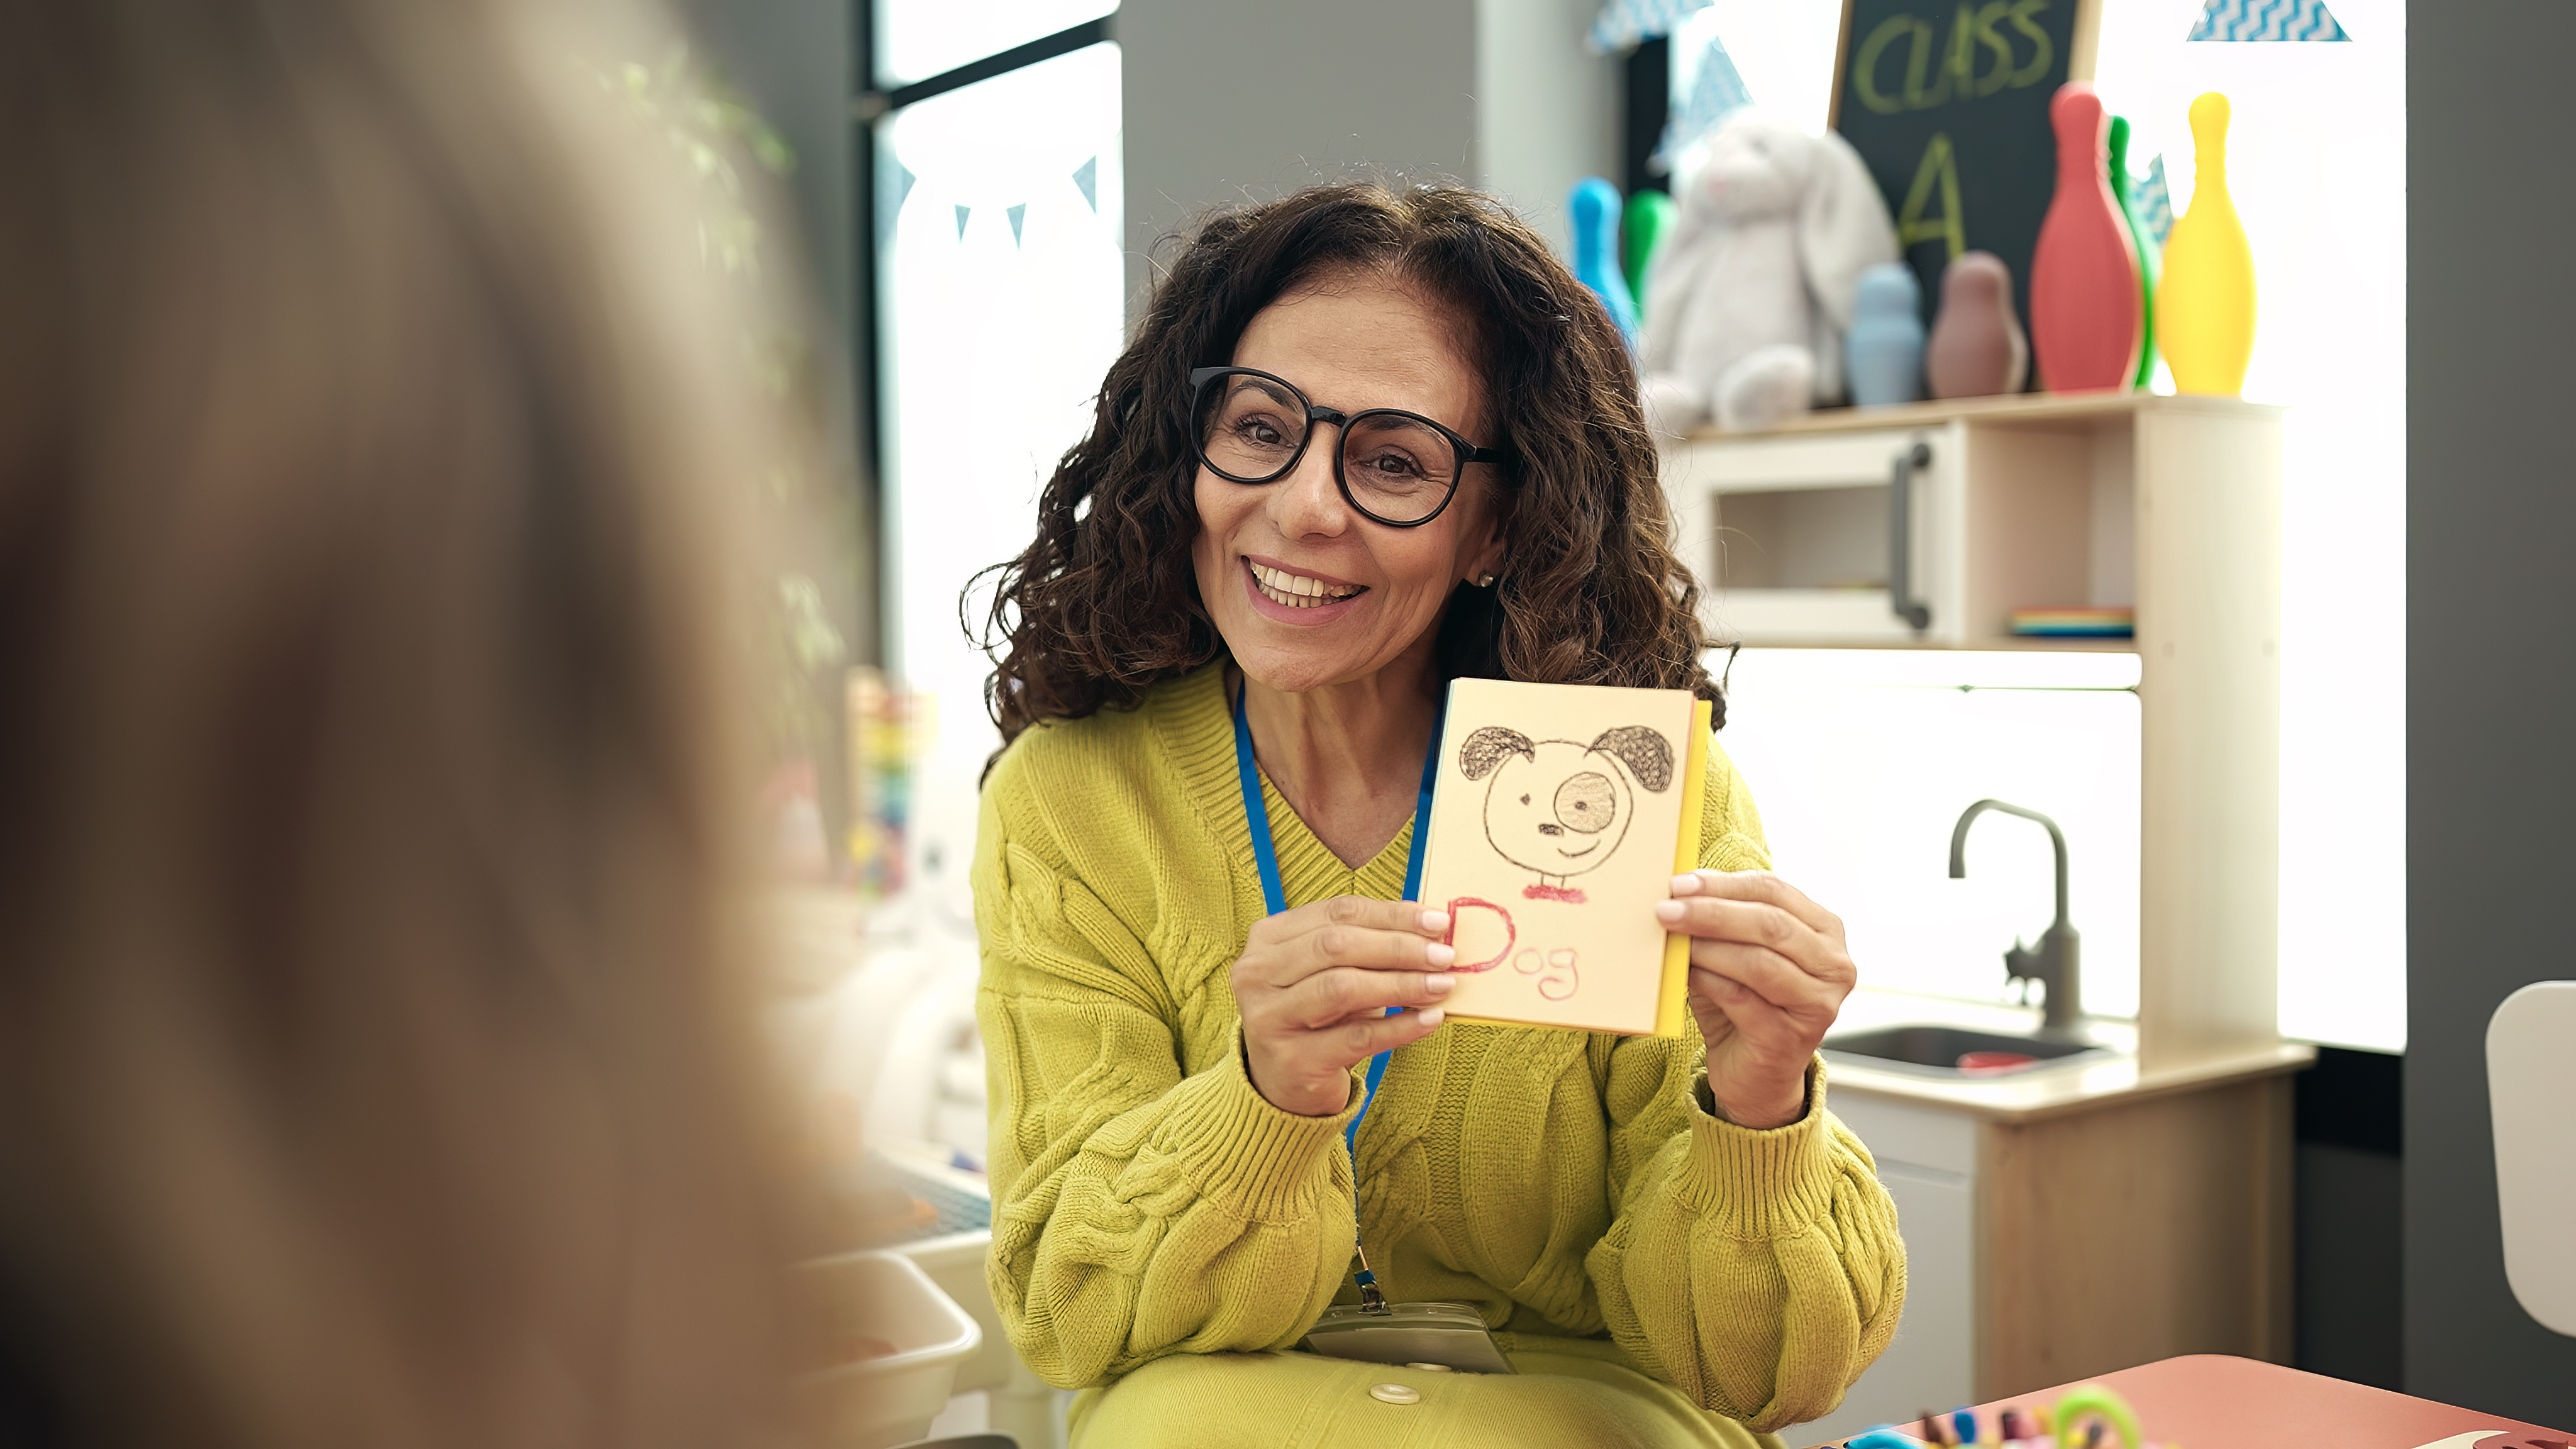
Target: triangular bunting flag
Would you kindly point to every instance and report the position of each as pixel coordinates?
(961, 222)
(1717, 89)
(901, 184)
(1088, 178)
(1623, 23)
(2267, 20)
(2152, 202)
(1017, 214)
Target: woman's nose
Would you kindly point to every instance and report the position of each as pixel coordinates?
(1308, 503)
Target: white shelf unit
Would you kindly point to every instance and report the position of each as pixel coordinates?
(2169, 504)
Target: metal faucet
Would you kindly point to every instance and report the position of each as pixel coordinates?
(2055, 964)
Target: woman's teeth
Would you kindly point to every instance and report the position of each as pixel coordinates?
(1296, 590)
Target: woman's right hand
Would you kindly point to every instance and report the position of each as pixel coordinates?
(1314, 984)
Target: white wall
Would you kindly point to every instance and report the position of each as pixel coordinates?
(1861, 760)
(2317, 168)
(1228, 102)
(1547, 110)
(1223, 104)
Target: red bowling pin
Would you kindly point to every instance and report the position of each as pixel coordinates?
(2086, 321)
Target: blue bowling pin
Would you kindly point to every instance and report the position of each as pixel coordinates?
(1594, 208)
(1884, 350)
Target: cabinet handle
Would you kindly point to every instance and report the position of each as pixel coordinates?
(1900, 537)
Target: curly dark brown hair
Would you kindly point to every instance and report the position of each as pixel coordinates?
(1104, 604)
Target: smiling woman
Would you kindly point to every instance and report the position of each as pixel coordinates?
(1302, 593)
(1100, 607)
(1367, 442)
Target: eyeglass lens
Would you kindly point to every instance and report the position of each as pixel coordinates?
(1396, 467)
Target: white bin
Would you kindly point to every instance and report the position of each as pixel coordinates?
(881, 1401)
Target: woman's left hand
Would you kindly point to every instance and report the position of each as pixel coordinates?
(1769, 972)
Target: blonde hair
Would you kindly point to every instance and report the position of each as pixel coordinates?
(376, 1062)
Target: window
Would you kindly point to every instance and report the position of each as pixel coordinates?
(917, 40)
(999, 287)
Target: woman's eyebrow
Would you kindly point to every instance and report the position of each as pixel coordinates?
(1262, 385)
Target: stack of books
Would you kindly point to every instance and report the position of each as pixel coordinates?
(2116, 622)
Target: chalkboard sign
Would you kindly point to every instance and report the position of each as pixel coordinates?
(1949, 108)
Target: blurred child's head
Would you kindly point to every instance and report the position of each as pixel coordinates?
(374, 1056)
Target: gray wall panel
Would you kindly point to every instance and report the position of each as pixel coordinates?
(792, 58)
(1229, 100)
(2491, 697)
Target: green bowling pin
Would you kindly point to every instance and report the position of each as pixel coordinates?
(2150, 256)
(1641, 234)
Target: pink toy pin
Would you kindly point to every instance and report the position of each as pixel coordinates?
(2086, 322)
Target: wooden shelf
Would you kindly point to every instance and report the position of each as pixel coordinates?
(2026, 408)
(2169, 505)
(2012, 643)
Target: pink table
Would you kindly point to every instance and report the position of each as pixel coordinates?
(2212, 1401)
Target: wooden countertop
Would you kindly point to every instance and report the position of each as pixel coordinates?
(2043, 1091)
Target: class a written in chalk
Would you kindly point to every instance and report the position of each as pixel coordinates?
(1940, 69)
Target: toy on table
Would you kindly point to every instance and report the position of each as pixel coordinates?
(2088, 1410)
(2088, 1416)
(1593, 209)
(1977, 347)
(1643, 225)
(2143, 239)
(1885, 350)
(2207, 296)
(1758, 281)
(2086, 306)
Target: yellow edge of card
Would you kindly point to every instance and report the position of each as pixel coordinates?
(1673, 1007)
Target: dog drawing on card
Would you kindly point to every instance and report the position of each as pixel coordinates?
(1557, 808)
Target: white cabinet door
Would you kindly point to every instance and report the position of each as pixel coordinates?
(1793, 537)
(1932, 1362)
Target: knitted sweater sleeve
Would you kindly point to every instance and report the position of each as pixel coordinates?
(1139, 1209)
(1757, 1272)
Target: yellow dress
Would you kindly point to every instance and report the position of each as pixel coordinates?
(1163, 1236)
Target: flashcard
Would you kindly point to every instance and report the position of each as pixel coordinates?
(1560, 815)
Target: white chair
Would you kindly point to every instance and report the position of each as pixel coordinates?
(2531, 1095)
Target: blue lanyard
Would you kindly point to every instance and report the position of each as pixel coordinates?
(1256, 814)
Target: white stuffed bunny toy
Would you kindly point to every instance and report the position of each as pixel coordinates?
(1748, 301)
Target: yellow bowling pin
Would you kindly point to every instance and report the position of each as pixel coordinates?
(2205, 308)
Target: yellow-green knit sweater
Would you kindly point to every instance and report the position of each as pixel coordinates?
(1658, 1276)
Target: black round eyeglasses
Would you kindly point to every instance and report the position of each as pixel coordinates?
(1398, 468)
